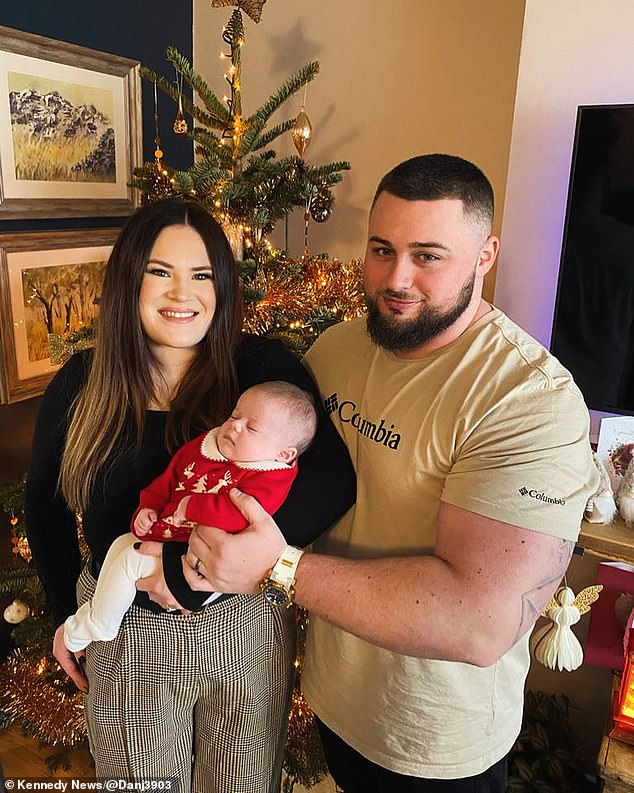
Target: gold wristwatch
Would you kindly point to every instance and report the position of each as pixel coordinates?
(279, 585)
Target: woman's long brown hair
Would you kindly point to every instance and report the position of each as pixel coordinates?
(109, 412)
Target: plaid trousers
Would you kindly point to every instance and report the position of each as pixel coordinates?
(202, 698)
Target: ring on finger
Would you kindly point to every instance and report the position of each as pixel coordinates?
(199, 561)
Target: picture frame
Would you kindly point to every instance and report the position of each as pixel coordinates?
(50, 282)
(70, 129)
(615, 446)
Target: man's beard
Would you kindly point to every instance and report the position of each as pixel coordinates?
(403, 335)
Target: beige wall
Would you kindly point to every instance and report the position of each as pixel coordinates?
(397, 79)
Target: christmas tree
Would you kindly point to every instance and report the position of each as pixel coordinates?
(248, 189)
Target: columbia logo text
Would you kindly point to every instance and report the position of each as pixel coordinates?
(381, 432)
(539, 495)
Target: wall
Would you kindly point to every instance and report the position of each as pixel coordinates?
(571, 55)
(124, 27)
(397, 79)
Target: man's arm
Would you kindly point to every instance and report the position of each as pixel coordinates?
(470, 602)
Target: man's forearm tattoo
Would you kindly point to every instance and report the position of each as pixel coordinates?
(534, 601)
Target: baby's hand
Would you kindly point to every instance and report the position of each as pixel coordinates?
(144, 521)
(181, 511)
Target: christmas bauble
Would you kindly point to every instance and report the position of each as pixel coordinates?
(180, 124)
(321, 206)
(302, 132)
(16, 612)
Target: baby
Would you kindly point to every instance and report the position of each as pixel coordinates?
(256, 449)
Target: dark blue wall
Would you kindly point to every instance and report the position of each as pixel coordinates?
(137, 29)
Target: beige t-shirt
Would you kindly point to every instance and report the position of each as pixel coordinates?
(491, 423)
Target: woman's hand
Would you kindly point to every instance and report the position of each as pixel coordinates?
(237, 563)
(71, 663)
(155, 584)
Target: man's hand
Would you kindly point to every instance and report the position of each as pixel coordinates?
(236, 563)
(70, 662)
(155, 584)
(144, 521)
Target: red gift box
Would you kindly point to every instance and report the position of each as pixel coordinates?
(604, 643)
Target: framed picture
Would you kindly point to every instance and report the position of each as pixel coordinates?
(615, 447)
(50, 284)
(70, 129)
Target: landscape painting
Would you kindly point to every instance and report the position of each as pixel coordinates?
(70, 129)
(50, 286)
(59, 299)
(61, 131)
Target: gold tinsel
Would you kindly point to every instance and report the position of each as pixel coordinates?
(21, 548)
(33, 697)
(304, 761)
(323, 284)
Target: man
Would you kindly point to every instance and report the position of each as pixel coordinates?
(470, 443)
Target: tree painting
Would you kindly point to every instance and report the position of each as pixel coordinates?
(59, 299)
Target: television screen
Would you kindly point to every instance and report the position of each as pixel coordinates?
(593, 327)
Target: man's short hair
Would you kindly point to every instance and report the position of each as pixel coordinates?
(432, 177)
(302, 423)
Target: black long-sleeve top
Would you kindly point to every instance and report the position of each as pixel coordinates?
(323, 490)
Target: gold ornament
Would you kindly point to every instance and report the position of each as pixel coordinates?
(302, 132)
(16, 612)
(321, 205)
(21, 548)
(252, 8)
(180, 126)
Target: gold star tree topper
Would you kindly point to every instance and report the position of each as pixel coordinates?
(252, 8)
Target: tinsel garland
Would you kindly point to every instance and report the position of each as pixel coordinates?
(298, 294)
(304, 761)
(39, 704)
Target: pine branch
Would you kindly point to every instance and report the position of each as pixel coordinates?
(16, 578)
(272, 134)
(12, 496)
(207, 174)
(209, 147)
(216, 108)
(182, 182)
(206, 119)
(328, 169)
(205, 138)
(258, 120)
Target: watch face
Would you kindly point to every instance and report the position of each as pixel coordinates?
(275, 594)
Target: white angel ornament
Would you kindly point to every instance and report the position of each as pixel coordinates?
(555, 645)
(601, 507)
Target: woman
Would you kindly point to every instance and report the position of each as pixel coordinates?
(169, 362)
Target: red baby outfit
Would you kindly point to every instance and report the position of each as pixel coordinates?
(199, 470)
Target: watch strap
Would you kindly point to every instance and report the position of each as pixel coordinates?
(284, 570)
